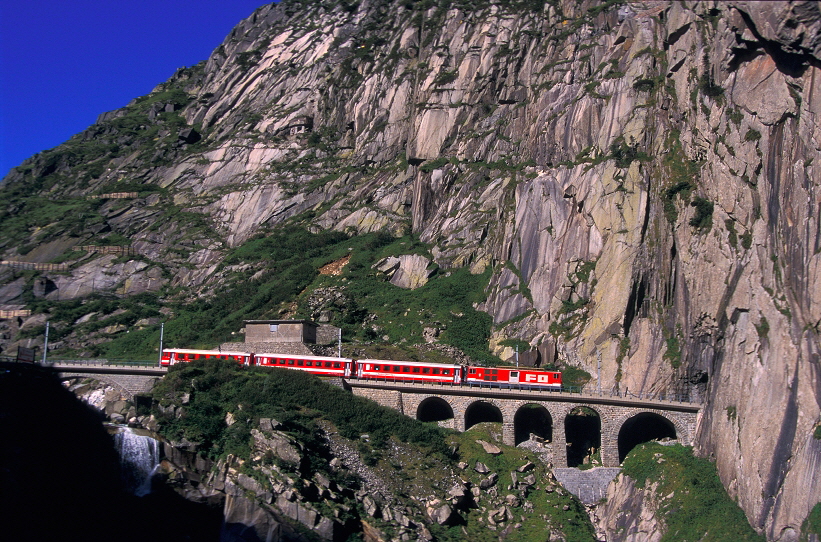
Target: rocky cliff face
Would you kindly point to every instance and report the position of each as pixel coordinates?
(642, 178)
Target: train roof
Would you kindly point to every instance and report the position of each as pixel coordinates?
(206, 352)
(412, 363)
(300, 356)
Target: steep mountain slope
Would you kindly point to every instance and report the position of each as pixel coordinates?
(640, 180)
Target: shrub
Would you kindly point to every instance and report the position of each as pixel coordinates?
(703, 219)
(445, 77)
(709, 88)
(752, 135)
(644, 84)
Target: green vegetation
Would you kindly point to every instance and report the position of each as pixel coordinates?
(445, 77)
(573, 522)
(645, 84)
(747, 240)
(624, 154)
(280, 274)
(752, 135)
(703, 219)
(693, 503)
(101, 311)
(673, 351)
(573, 377)
(732, 236)
(569, 318)
(763, 328)
(682, 175)
(294, 398)
(812, 525)
(708, 87)
(405, 452)
(816, 434)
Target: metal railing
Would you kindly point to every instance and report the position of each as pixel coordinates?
(579, 391)
(567, 390)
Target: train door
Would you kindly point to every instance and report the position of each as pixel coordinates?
(514, 377)
(348, 365)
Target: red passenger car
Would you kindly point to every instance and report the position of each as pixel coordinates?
(514, 377)
(322, 366)
(409, 371)
(171, 356)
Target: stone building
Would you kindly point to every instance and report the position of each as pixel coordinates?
(288, 331)
(298, 337)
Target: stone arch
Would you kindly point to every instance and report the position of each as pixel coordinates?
(434, 409)
(483, 411)
(583, 434)
(636, 428)
(532, 418)
(105, 379)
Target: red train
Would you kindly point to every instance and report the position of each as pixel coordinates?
(381, 369)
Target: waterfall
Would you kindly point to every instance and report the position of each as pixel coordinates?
(139, 460)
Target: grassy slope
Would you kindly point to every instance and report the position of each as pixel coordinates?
(695, 505)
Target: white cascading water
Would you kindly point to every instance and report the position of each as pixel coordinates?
(139, 460)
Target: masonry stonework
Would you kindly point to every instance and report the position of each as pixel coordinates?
(612, 417)
(127, 385)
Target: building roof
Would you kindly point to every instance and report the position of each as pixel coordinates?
(304, 322)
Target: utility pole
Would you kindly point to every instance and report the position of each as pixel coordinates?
(45, 345)
(339, 349)
(162, 329)
(517, 355)
(598, 370)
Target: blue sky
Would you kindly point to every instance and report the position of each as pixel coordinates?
(63, 62)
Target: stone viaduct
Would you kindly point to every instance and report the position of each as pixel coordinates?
(612, 424)
(622, 422)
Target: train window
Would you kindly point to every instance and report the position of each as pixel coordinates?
(472, 371)
(445, 371)
(290, 362)
(337, 365)
(494, 371)
(309, 363)
(416, 369)
(396, 368)
(514, 374)
(436, 371)
(494, 379)
(425, 370)
(405, 369)
(300, 362)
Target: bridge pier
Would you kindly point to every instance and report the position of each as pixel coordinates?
(559, 443)
(609, 444)
(614, 413)
(509, 433)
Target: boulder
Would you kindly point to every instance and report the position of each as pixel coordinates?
(492, 449)
(279, 444)
(408, 271)
(489, 482)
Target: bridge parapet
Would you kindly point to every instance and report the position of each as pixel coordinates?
(128, 380)
(613, 411)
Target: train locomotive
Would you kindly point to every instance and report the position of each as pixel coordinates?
(380, 369)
